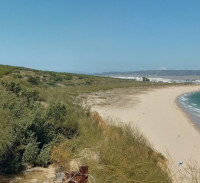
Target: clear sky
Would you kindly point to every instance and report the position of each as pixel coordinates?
(91, 36)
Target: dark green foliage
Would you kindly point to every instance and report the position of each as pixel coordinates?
(68, 77)
(12, 163)
(33, 80)
(44, 157)
(31, 153)
(41, 128)
(58, 78)
(28, 131)
(12, 87)
(57, 116)
(53, 74)
(57, 112)
(5, 70)
(30, 95)
(5, 132)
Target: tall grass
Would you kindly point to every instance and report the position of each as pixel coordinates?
(189, 172)
(113, 153)
(116, 154)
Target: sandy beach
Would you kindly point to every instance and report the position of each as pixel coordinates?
(158, 117)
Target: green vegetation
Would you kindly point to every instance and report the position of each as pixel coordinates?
(123, 155)
(28, 128)
(41, 123)
(51, 83)
(33, 80)
(5, 70)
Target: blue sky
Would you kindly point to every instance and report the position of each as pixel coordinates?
(91, 36)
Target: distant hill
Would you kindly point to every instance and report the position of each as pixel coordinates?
(190, 74)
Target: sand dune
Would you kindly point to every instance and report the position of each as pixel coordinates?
(158, 116)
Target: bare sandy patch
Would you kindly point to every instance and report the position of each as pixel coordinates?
(158, 116)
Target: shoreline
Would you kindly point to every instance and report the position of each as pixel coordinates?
(187, 115)
(193, 118)
(163, 122)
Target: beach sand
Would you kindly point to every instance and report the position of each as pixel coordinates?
(158, 116)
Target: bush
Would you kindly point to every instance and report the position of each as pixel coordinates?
(58, 78)
(33, 80)
(62, 124)
(12, 87)
(44, 158)
(12, 163)
(5, 70)
(68, 77)
(30, 95)
(57, 112)
(31, 153)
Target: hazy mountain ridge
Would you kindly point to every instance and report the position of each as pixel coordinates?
(169, 74)
(156, 73)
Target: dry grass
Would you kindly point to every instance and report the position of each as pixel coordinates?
(116, 154)
(113, 153)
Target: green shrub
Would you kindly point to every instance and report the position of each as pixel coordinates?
(12, 163)
(58, 78)
(33, 80)
(57, 112)
(6, 139)
(68, 77)
(30, 95)
(12, 87)
(44, 158)
(31, 153)
(57, 117)
(53, 74)
(5, 70)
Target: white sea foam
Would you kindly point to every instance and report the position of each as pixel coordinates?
(196, 109)
(190, 107)
(183, 98)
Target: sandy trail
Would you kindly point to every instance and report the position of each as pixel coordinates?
(158, 116)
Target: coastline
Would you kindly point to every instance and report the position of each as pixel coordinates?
(194, 119)
(159, 117)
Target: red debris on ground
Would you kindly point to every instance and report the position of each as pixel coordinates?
(78, 177)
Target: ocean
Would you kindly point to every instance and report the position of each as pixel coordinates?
(190, 103)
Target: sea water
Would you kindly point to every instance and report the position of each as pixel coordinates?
(190, 103)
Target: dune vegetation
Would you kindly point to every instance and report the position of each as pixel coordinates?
(41, 122)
